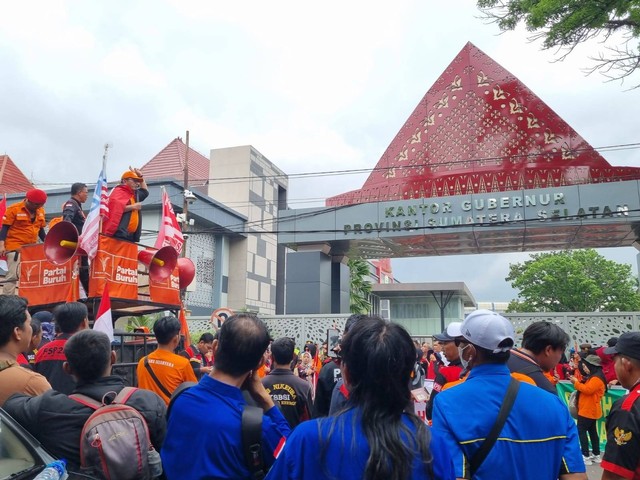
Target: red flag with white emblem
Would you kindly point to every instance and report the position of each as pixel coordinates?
(170, 232)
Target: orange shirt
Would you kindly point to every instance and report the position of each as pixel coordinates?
(551, 377)
(591, 392)
(171, 370)
(22, 230)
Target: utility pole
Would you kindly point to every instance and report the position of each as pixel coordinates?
(185, 204)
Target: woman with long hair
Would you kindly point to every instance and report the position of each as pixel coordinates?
(377, 436)
(590, 392)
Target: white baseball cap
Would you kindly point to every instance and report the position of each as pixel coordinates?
(453, 329)
(488, 329)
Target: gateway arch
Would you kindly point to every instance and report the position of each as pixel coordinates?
(482, 165)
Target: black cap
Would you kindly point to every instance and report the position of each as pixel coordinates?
(443, 337)
(628, 344)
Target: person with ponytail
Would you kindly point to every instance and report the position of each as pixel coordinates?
(376, 435)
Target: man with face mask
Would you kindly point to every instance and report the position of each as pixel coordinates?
(448, 373)
(537, 425)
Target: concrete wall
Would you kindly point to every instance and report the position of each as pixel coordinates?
(249, 183)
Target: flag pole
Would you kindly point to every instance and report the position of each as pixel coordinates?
(104, 172)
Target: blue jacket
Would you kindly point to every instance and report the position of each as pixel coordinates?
(539, 440)
(346, 453)
(204, 439)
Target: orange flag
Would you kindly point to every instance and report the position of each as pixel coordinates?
(185, 327)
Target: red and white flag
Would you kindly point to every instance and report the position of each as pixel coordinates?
(99, 209)
(104, 321)
(170, 232)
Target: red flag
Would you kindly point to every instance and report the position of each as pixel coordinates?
(170, 232)
(104, 322)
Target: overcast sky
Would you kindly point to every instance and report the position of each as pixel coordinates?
(314, 87)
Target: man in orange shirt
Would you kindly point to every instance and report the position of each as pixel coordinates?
(23, 223)
(162, 371)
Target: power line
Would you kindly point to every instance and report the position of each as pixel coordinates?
(470, 161)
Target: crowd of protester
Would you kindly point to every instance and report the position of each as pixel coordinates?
(345, 413)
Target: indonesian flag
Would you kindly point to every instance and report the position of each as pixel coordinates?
(104, 322)
(99, 209)
(3, 208)
(170, 232)
(279, 447)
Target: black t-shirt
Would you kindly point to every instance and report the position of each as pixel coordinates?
(291, 394)
(72, 212)
(329, 375)
(622, 453)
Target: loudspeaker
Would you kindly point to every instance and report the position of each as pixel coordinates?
(159, 262)
(61, 243)
(186, 272)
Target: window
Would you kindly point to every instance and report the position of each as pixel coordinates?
(15, 457)
(385, 309)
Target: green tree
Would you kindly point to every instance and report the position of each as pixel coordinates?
(360, 286)
(572, 281)
(565, 24)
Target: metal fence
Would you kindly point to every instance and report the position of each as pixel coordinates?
(130, 348)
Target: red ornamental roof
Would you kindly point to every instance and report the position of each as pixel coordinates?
(169, 163)
(12, 180)
(479, 129)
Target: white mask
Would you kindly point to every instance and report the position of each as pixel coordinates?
(465, 363)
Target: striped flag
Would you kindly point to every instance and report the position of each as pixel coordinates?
(104, 321)
(170, 232)
(99, 209)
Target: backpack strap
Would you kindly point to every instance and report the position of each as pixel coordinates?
(176, 393)
(529, 369)
(487, 445)
(162, 388)
(123, 395)
(86, 401)
(252, 440)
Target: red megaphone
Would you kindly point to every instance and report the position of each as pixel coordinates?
(159, 262)
(186, 272)
(61, 243)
